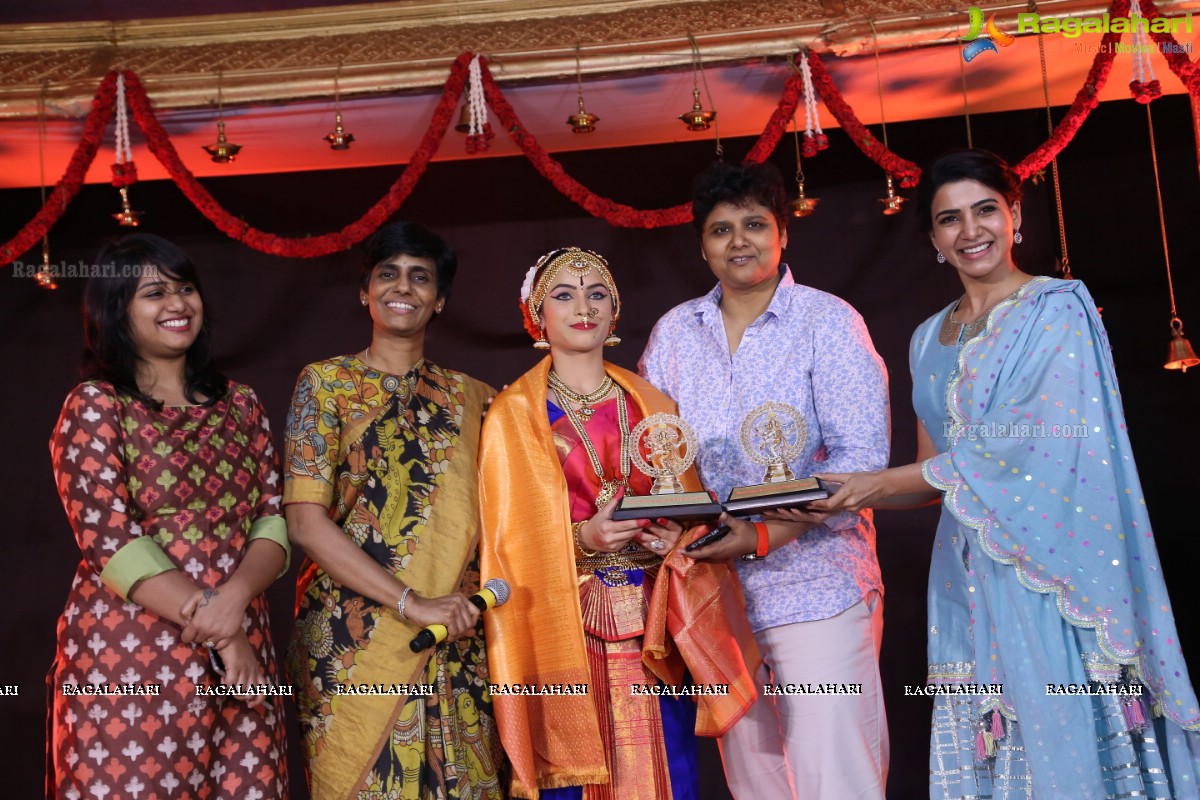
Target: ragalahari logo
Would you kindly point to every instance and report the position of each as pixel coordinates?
(983, 37)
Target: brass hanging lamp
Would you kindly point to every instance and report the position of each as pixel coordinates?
(697, 118)
(581, 121)
(338, 138)
(891, 201)
(221, 151)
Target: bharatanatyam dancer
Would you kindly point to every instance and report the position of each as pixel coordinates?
(612, 610)
(381, 492)
(1045, 576)
(165, 682)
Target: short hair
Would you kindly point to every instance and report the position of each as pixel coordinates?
(111, 354)
(739, 185)
(410, 239)
(964, 164)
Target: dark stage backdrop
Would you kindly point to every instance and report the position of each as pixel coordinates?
(274, 315)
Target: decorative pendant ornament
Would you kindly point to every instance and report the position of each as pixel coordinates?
(479, 130)
(608, 488)
(584, 401)
(612, 341)
(697, 119)
(127, 217)
(581, 122)
(941, 258)
(891, 201)
(541, 343)
(222, 151)
(953, 332)
(124, 171)
(44, 276)
(803, 205)
(1017, 237)
(338, 138)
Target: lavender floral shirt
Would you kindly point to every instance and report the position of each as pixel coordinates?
(812, 351)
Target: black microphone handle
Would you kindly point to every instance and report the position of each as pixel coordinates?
(478, 601)
(422, 641)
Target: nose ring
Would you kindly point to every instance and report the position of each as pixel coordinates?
(592, 312)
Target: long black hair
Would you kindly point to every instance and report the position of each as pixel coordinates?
(111, 354)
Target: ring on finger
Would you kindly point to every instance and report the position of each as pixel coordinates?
(658, 545)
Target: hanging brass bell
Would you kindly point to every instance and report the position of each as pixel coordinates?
(1181, 355)
(464, 119)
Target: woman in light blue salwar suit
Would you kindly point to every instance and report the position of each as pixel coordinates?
(1050, 629)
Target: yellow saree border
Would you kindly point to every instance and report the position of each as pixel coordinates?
(362, 722)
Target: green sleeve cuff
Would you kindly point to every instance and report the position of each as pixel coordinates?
(137, 560)
(274, 529)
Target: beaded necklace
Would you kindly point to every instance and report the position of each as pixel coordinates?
(608, 489)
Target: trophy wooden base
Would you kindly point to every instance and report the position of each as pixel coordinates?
(680, 505)
(745, 501)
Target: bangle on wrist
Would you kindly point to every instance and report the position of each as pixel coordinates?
(576, 529)
(402, 603)
(764, 543)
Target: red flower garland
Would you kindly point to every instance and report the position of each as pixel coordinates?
(72, 179)
(777, 125)
(124, 174)
(601, 207)
(612, 212)
(160, 145)
(1185, 69)
(905, 171)
(1087, 98)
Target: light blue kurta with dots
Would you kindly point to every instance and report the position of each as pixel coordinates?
(1044, 569)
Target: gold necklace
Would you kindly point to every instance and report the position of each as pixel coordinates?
(608, 489)
(584, 401)
(951, 329)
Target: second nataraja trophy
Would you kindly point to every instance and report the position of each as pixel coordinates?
(663, 446)
(773, 434)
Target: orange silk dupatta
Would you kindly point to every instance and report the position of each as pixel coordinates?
(696, 619)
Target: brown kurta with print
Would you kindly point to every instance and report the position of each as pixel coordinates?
(176, 487)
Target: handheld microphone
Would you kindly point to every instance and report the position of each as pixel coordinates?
(494, 593)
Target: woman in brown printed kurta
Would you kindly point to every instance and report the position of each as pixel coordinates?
(170, 482)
